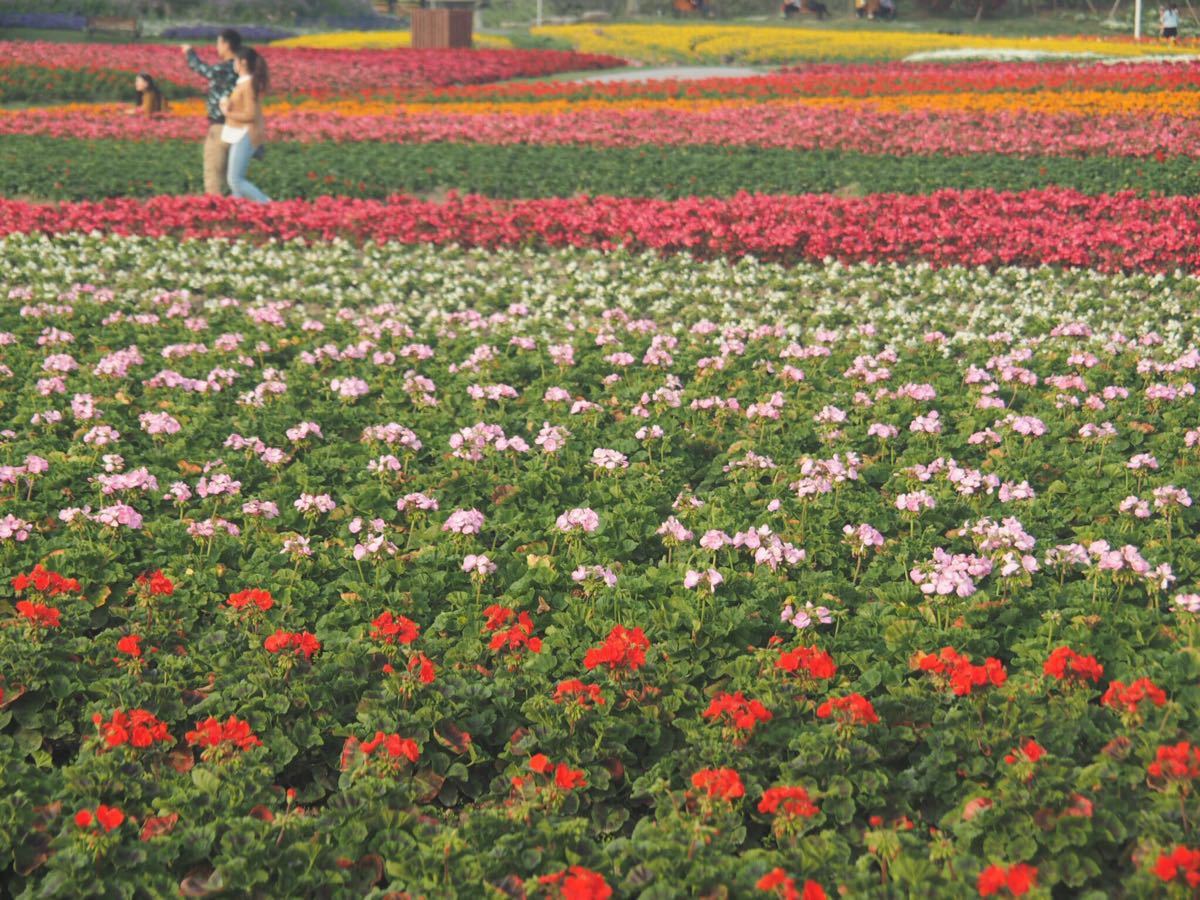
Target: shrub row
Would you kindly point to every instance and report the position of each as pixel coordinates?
(38, 84)
(75, 169)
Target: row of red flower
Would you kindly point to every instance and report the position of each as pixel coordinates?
(307, 70)
(989, 228)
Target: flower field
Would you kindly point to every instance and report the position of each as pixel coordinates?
(1019, 126)
(333, 570)
(297, 70)
(766, 487)
(766, 45)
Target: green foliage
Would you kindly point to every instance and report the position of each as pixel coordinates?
(40, 84)
(78, 169)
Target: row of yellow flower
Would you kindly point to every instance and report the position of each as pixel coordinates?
(757, 44)
(377, 40)
(1183, 104)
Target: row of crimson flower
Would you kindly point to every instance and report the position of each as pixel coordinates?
(788, 126)
(1118, 232)
(313, 71)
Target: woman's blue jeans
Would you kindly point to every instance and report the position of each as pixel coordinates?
(239, 162)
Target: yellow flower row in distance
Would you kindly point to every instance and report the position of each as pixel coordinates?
(758, 44)
(377, 40)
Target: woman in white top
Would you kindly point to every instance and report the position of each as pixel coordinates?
(244, 129)
(1169, 17)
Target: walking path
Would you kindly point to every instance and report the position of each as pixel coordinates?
(678, 73)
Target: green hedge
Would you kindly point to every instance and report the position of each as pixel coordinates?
(39, 84)
(52, 168)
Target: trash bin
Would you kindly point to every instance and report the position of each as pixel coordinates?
(443, 24)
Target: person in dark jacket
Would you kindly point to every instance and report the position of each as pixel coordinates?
(222, 78)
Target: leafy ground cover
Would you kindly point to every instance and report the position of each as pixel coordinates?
(41, 84)
(63, 168)
(430, 579)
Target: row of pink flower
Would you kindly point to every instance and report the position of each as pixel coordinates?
(307, 70)
(787, 126)
(1054, 226)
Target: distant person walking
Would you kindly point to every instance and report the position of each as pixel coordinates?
(1169, 17)
(244, 131)
(222, 78)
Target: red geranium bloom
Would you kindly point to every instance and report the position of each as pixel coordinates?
(793, 799)
(1065, 664)
(854, 709)
(583, 694)
(1127, 698)
(721, 784)
(130, 645)
(251, 596)
(959, 673)
(45, 582)
(1176, 762)
(107, 817)
(516, 638)
(394, 747)
(1030, 751)
(496, 617)
(811, 661)
(137, 728)
(426, 673)
(301, 643)
(1017, 879)
(392, 629)
(565, 778)
(740, 713)
(231, 734)
(578, 883)
(568, 779)
(1182, 863)
(624, 648)
(39, 614)
(778, 881)
(157, 583)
